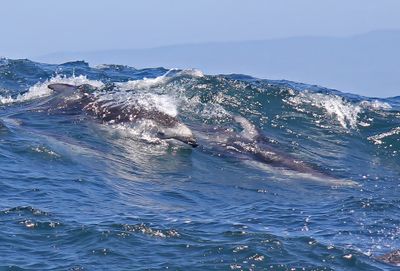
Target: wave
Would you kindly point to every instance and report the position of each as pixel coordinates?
(286, 165)
(191, 95)
(147, 83)
(334, 106)
(378, 139)
(210, 98)
(41, 89)
(345, 112)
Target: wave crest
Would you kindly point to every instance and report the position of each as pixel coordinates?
(335, 107)
(41, 89)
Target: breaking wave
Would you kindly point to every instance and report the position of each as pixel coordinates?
(41, 89)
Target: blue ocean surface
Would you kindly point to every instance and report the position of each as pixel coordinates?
(286, 176)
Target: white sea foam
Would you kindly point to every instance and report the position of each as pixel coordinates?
(147, 83)
(41, 89)
(335, 106)
(162, 103)
(192, 72)
(210, 111)
(377, 139)
(142, 129)
(144, 83)
(375, 105)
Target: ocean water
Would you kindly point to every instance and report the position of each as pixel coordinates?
(81, 193)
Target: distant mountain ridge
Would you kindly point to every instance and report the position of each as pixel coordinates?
(367, 64)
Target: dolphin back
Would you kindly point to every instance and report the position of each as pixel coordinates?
(392, 257)
(169, 127)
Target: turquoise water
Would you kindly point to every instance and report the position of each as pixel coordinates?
(78, 193)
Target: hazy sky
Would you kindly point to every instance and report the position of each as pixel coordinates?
(30, 28)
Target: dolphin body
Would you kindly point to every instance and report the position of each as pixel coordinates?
(251, 143)
(392, 257)
(83, 99)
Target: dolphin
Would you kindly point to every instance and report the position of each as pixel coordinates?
(82, 98)
(392, 257)
(251, 143)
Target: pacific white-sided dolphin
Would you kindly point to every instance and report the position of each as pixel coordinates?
(166, 126)
(251, 143)
(392, 257)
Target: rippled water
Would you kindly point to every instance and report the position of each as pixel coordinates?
(81, 193)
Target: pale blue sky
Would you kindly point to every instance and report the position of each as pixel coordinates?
(30, 28)
(95, 30)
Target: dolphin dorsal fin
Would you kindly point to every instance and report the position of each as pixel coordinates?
(61, 87)
(65, 89)
(250, 131)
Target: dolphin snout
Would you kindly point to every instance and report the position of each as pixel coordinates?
(191, 141)
(179, 132)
